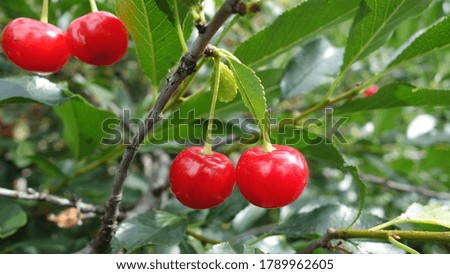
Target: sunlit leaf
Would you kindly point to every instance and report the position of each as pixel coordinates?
(293, 27)
(315, 64)
(31, 89)
(153, 27)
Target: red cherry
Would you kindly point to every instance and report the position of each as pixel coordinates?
(98, 38)
(35, 46)
(271, 179)
(201, 181)
(371, 90)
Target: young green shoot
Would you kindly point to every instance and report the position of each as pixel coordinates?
(398, 244)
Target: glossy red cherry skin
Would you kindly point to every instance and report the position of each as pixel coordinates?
(35, 46)
(97, 38)
(272, 179)
(371, 90)
(201, 181)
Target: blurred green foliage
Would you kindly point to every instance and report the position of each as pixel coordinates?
(388, 143)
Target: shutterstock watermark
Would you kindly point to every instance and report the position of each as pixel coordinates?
(186, 129)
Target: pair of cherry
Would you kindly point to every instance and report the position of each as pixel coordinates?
(98, 38)
(269, 179)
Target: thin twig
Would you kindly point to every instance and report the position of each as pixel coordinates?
(325, 241)
(320, 243)
(33, 195)
(404, 187)
(187, 66)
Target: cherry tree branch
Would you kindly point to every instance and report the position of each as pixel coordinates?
(33, 195)
(187, 66)
(325, 241)
(404, 187)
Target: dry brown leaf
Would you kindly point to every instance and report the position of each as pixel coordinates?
(66, 219)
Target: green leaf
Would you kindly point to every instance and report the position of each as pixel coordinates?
(316, 222)
(374, 22)
(83, 125)
(294, 26)
(158, 228)
(247, 217)
(31, 89)
(152, 26)
(227, 84)
(193, 2)
(434, 215)
(324, 152)
(23, 153)
(315, 64)
(50, 245)
(184, 121)
(11, 219)
(436, 37)
(229, 248)
(371, 247)
(310, 145)
(328, 153)
(225, 212)
(187, 248)
(397, 95)
(362, 191)
(252, 93)
(47, 166)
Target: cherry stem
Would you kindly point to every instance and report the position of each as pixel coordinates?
(44, 14)
(207, 149)
(93, 6)
(266, 143)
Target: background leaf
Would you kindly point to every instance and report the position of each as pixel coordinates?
(409, 145)
(372, 247)
(362, 191)
(226, 211)
(51, 169)
(315, 64)
(159, 228)
(31, 89)
(317, 221)
(374, 22)
(228, 248)
(397, 95)
(12, 217)
(83, 125)
(293, 27)
(324, 152)
(436, 37)
(152, 25)
(435, 215)
(55, 245)
(316, 148)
